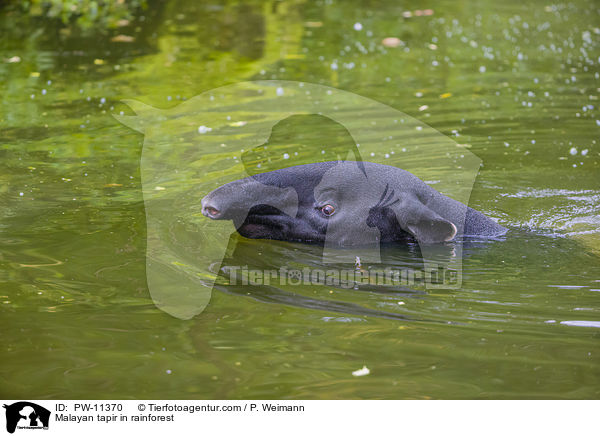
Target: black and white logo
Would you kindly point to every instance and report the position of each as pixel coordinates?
(26, 415)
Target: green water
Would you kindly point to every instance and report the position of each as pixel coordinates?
(517, 83)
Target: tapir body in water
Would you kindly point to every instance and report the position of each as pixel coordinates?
(344, 203)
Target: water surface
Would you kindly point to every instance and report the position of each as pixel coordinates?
(514, 83)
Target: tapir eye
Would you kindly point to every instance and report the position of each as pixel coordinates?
(328, 210)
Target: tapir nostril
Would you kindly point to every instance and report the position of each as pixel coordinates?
(211, 211)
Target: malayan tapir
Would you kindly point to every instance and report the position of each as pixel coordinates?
(344, 203)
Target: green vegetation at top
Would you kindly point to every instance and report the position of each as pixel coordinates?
(86, 14)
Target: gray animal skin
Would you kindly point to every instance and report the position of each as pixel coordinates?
(344, 203)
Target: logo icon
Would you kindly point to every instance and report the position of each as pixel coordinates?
(26, 415)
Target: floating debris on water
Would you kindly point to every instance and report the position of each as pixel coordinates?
(391, 42)
(361, 372)
(122, 38)
(417, 13)
(595, 324)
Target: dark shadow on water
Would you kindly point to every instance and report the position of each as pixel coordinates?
(265, 255)
(521, 254)
(271, 294)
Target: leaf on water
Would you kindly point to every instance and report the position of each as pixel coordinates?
(294, 56)
(122, 38)
(392, 41)
(360, 372)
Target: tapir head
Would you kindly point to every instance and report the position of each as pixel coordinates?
(341, 203)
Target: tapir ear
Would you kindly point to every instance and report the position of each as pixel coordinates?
(433, 230)
(423, 223)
